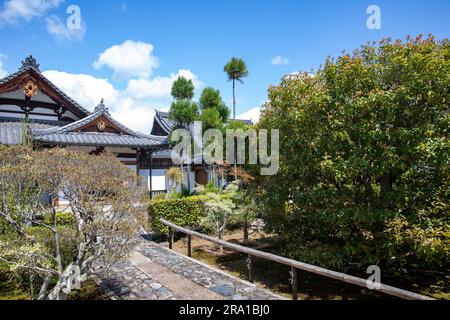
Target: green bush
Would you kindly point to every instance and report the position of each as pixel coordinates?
(62, 219)
(364, 159)
(161, 196)
(5, 227)
(184, 212)
(67, 238)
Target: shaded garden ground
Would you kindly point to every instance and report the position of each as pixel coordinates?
(275, 277)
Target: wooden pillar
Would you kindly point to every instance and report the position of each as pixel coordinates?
(189, 246)
(294, 283)
(170, 238)
(151, 173)
(138, 161)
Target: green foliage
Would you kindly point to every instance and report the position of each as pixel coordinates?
(219, 208)
(183, 112)
(236, 125)
(210, 187)
(183, 89)
(11, 288)
(364, 159)
(185, 212)
(62, 219)
(236, 70)
(67, 236)
(218, 212)
(175, 177)
(27, 139)
(211, 99)
(161, 196)
(210, 119)
(5, 228)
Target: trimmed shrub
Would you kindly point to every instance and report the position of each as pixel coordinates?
(62, 219)
(184, 212)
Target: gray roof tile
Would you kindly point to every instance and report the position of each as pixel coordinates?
(66, 136)
(11, 131)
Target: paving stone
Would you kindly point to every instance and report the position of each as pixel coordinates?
(155, 286)
(129, 283)
(223, 290)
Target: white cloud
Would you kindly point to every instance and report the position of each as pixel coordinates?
(129, 59)
(13, 11)
(252, 114)
(280, 60)
(134, 111)
(3, 72)
(88, 91)
(133, 114)
(159, 87)
(135, 105)
(85, 89)
(61, 32)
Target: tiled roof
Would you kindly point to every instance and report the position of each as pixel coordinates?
(246, 122)
(162, 118)
(66, 136)
(11, 131)
(26, 68)
(98, 139)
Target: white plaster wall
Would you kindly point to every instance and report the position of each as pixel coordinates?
(159, 180)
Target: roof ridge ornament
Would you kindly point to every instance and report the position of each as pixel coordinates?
(101, 107)
(30, 62)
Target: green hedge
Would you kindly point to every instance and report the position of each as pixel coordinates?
(185, 212)
(62, 219)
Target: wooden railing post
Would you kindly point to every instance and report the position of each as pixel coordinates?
(293, 264)
(189, 246)
(250, 268)
(294, 279)
(170, 238)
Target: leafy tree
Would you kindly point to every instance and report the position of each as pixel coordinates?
(183, 89)
(183, 112)
(236, 70)
(364, 164)
(101, 193)
(219, 209)
(236, 125)
(210, 98)
(211, 118)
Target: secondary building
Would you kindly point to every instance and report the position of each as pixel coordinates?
(31, 105)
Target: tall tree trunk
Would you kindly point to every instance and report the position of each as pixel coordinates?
(234, 99)
(234, 118)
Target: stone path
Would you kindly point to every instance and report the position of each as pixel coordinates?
(153, 272)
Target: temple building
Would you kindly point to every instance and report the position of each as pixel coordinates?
(29, 101)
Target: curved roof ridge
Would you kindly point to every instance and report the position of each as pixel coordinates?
(82, 122)
(27, 68)
(163, 120)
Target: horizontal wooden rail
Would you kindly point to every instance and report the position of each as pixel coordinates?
(296, 265)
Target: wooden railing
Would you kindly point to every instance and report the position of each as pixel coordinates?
(295, 265)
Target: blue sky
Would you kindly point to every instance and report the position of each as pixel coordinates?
(195, 39)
